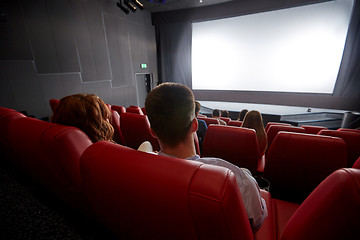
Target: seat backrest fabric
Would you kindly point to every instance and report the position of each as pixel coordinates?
(6, 110)
(330, 212)
(136, 129)
(274, 129)
(53, 104)
(296, 163)
(209, 120)
(313, 129)
(134, 109)
(115, 122)
(269, 124)
(50, 153)
(119, 109)
(352, 140)
(235, 123)
(145, 196)
(233, 144)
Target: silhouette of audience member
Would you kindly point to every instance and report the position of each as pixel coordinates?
(216, 114)
(171, 111)
(242, 114)
(87, 112)
(225, 113)
(202, 127)
(253, 120)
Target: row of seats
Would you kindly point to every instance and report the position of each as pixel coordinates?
(144, 196)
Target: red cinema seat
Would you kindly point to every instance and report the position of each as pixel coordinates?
(296, 163)
(139, 195)
(349, 130)
(313, 129)
(53, 104)
(274, 129)
(235, 123)
(233, 144)
(6, 116)
(352, 140)
(143, 110)
(226, 119)
(209, 120)
(134, 109)
(136, 129)
(50, 154)
(6, 110)
(269, 124)
(357, 164)
(330, 212)
(115, 122)
(118, 109)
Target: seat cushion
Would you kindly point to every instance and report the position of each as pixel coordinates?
(282, 212)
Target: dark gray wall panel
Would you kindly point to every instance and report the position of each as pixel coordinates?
(101, 89)
(13, 31)
(119, 50)
(124, 96)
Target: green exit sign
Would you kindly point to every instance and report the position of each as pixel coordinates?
(143, 65)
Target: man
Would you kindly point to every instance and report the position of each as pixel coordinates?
(216, 114)
(170, 108)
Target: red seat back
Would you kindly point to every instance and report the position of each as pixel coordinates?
(233, 144)
(53, 104)
(235, 123)
(269, 124)
(50, 153)
(115, 122)
(274, 129)
(313, 129)
(357, 164)
(330, 212)
(140, 195)
(118, 109)
(5, 110)
(134, 109)
(297, 163)
(352, 140)
(349, 130)
(209, 120)
(136, 129)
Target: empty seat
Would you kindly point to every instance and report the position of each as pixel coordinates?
(330, 212)
(235, 123)
(233, 144)
(140, 195)
(136, 129)
(53, 104)
(274, 129)
(313, 129)
(296, 163)
(134, 109)
(50, 154)
(349, 130)
(118, 109)
(209, 120)
(269, 124)
(352, 140)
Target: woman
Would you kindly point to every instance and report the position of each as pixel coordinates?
(253, 120)
(87, 112)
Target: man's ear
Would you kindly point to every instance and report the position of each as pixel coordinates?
(153, 133)
(194, 125)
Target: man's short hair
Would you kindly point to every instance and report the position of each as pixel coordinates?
(216, 113)
(170, 108)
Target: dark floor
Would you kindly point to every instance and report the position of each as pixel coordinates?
(27, 211)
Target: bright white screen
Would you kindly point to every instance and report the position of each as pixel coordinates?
(292, 50)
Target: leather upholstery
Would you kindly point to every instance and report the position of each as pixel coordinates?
(313, 129)
(274, 129)
(330, 212)
(140, 195)
(296, 163)
(53, 104)
(115, 122)
(233, 144)
(209, 120)
(235, 123)
(136, 129)
(269, 124)
(349, 130)
(134, 109)
(357, 164)
(6, 116)
(50, 153)
(352, 140)
(118, 109)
